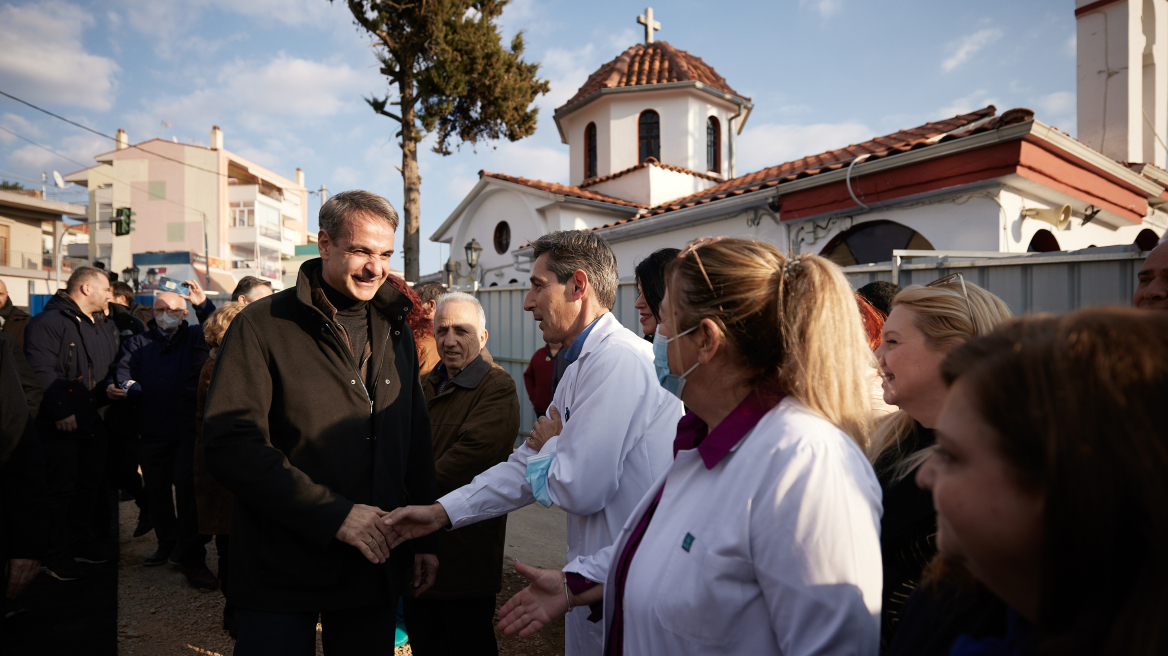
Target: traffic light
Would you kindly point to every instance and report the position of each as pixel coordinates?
(123, 222)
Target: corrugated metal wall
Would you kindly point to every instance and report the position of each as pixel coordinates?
(1046, 283)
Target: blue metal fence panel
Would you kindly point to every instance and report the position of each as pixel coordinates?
(36, 303)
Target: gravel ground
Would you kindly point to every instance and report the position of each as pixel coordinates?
(159, 614)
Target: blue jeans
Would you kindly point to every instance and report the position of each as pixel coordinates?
(357, 631)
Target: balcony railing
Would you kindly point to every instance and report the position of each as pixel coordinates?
(264, 268)
(31, 261)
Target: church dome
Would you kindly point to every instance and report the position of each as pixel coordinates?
(650, 64)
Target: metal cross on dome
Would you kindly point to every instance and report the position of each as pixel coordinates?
(647, 20)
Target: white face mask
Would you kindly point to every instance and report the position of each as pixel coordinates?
(167, 321)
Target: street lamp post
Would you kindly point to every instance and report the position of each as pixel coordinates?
(473, 250)
(130, 273)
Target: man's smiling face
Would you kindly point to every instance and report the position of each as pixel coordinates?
(356, 263)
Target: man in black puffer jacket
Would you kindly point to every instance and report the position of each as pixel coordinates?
(71, 354)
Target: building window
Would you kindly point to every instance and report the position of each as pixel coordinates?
(713, 145)
(590, 151)
(649, 136)
(502, 237)
(243, 214)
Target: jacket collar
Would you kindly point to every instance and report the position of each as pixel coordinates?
(715, 445)
(388, 301)
(470, 376)
(64, 303)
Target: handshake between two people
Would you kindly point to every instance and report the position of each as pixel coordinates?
(374, 532)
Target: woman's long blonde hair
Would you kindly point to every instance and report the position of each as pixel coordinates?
(943, 316)
(790, 320)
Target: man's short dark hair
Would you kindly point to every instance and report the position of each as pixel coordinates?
(429, 291)
(880, 294)
(122, 289)
(246, 285)
(583, 250)
(341, 207)
(82, 275)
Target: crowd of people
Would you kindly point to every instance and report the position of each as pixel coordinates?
(775, 464)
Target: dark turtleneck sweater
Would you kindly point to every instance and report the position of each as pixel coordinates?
(353, 316)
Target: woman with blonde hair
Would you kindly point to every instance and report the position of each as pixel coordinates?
(925, 323)
(213, 500)
(762, 537)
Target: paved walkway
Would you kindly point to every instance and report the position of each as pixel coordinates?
(537, 536)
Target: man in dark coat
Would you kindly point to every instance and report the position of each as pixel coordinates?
(122, 418)
(13, 320)
(22, 478)
(316, 422)
(71, 354)
(474, 419)
(165, 362)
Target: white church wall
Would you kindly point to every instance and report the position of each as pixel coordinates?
(1020, 231)
(652, 186)
(683, 114)
(494, 205)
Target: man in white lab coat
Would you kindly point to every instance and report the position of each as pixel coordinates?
(618, 422)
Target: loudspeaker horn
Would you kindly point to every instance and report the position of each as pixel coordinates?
(1059, 217)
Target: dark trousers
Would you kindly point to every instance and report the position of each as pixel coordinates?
(454, 627)
(357, 631)
(163, 470)
(73, 473)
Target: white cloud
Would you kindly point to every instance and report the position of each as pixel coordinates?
(976, 100)
(269, 96)
(79, 148)
(19, 125)
(1058, 109)
(968, 46)
(826, 8)
(566, 71)
(43, 59)
(772, 144)
(1071, 47)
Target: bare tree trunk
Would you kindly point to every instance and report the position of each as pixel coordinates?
(412, 209)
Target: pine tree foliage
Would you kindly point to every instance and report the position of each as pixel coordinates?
(450, 75)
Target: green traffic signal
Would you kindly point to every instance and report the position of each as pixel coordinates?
(123, 223)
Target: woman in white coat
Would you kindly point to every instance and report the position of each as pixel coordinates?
(763, 536)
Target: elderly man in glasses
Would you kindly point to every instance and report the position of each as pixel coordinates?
(164, 363)
(1152, 288)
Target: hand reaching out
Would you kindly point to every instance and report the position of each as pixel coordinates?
(363, 529)
(409, 522)
(535, 606)
(197, 295)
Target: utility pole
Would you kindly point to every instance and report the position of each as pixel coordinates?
(44, 190)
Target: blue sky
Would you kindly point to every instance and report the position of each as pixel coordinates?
(285, 79)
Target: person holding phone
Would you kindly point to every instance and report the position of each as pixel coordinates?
(165, 362)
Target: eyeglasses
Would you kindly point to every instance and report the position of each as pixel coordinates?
(965, 292)
(693, 248)
(176, 313)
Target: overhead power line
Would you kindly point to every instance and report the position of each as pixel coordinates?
(102, 134)
(111, 177)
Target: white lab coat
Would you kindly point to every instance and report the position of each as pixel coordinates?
(784, 556)
(617, 439)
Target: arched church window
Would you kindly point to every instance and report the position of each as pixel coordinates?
(1043, 242)
(649, 136)
(873, 241)
(1147, 240)
(713, 145)
(590, 151)
(502, 237)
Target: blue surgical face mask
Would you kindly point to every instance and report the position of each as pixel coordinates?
(672, 383)
(537, 474)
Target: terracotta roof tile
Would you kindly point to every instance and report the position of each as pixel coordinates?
(922, 136)
(650, 161)
(561, 189)
(646, 64)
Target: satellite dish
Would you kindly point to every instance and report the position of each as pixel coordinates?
(57, 179)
